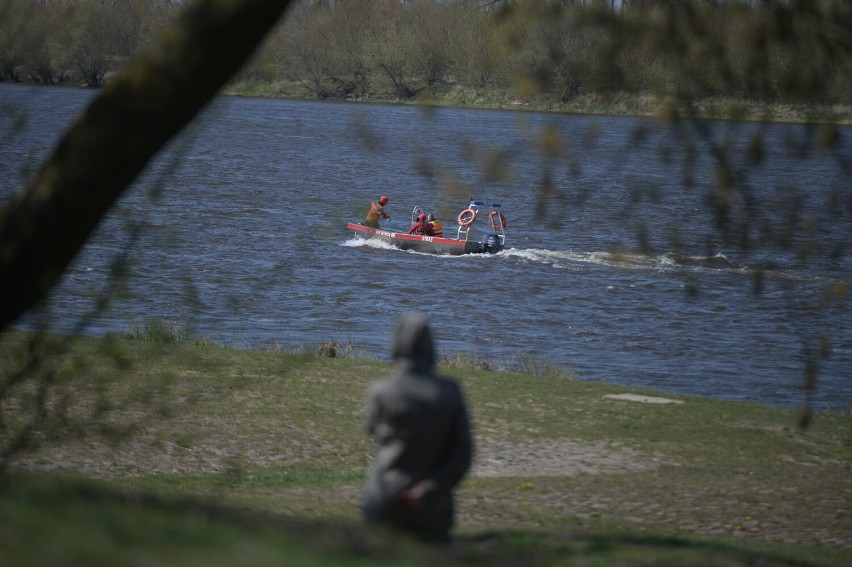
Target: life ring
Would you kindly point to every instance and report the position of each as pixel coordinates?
(501, 224)
(466, 217)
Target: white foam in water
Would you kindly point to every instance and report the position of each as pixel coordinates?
(354, 242)
(358, 242)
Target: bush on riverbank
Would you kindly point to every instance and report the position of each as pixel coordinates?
(614, 104)
(583, 57)
(201, 451)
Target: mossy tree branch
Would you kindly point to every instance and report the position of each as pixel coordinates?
(44, 225)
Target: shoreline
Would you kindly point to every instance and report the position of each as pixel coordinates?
(452, 363)
(589, 104)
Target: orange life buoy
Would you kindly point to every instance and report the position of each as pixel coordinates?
(501, 224)
(466, 217)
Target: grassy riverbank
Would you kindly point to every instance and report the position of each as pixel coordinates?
(187, 453)
(613, 104)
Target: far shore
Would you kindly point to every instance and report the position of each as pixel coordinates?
(606, 104)
(594, 104)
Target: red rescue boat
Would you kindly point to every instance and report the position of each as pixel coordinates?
(493, 241)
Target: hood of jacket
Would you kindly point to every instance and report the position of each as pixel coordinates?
(412, 342)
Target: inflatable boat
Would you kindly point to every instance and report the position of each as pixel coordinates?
(493, 239)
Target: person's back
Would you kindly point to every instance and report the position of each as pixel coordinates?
(376, 210)
(419, 423)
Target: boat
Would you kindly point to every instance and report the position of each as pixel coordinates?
(492, 241)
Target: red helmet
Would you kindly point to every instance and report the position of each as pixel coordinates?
(421, 217)
(383, 199)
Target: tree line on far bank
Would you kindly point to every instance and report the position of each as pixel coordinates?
(76, 41)
(768, 52)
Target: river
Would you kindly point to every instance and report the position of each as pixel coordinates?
(243, 240)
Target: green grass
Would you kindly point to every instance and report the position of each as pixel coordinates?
(180, 452)
(160, 331)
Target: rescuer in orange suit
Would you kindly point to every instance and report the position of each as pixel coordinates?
(437, 226)
(377, 210)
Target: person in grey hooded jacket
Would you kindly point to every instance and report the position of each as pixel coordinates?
(419, 422)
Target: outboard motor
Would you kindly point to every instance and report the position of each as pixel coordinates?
(491, 243)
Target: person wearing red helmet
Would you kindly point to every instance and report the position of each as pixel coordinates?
(421, 227)
(377, 209)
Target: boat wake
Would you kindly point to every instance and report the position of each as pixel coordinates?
(573, 260)
(622, 260)
(719, 263)
(358, 242)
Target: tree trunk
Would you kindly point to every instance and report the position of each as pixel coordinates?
(44, 225)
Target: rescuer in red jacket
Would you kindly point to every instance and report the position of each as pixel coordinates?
(421, 227)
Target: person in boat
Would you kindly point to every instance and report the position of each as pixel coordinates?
(423, 443)
(421, 227)
(437, 226)
(377, 209)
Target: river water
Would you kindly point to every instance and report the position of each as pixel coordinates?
(243, 239)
